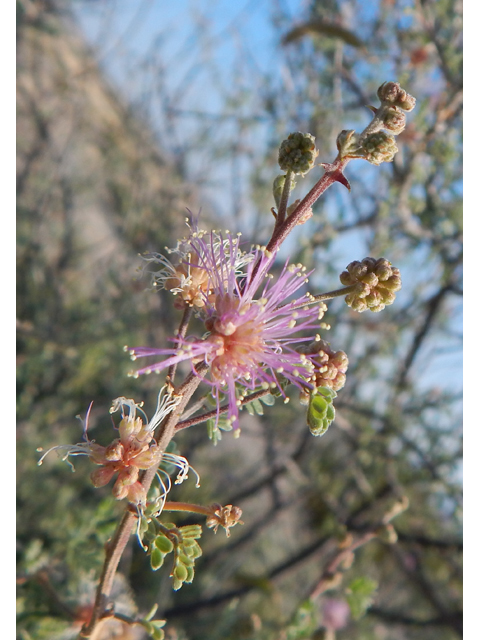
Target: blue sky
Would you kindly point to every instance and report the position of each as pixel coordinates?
(125, 33)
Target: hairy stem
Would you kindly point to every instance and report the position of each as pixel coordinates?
(186, 506)
(328, 296)
(184, 424)
(282, 209)
(333, 173)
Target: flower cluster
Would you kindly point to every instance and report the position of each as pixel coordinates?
(376, 283)
(330, 366)
(134, 450)
(298, 153)
(374, 144)
(252, 329)
(186, 278)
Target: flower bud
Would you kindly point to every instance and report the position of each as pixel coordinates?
(135, 493)
(393, 119)
(393, 93)
(297, 153)
(379, 147)
(348, 145)
(114, 451)
(148, 458)
(129, 427)
(376, 282)
(126, 477)
(330, 366)
(102, 476)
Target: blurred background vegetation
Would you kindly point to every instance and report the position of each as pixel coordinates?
(119, 131)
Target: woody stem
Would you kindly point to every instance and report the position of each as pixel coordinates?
(121, 537)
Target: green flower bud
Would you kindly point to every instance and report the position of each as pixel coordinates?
(379, 147)
(297, 153)
(348, 145)
(393, 119)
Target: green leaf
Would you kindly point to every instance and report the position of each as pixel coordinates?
(193, 531)
(164, 544)
(269, 400)
(360, 594)
(321, 412)
(156, 559)
(154, 628)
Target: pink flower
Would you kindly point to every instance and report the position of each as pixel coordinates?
(252, 330)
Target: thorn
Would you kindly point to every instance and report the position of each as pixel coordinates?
(336, 174)
(373, 109)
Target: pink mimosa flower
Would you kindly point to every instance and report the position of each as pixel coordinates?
(252, 329)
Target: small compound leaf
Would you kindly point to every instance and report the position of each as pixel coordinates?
(360, 595)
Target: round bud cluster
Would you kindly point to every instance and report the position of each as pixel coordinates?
(393, 93)
(374, 144)
(394, 119)
(330, 366)
(376, 283)
(379, 147)
(297, 153)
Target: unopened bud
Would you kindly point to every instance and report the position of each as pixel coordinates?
(348, 145)
(393, 93)
(297, 153)
(393, 119)
(102, 476)
(114, 451)
(379, 147)
(376, 282)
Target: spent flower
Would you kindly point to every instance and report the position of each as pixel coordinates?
(134, 450)
(185, 277)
